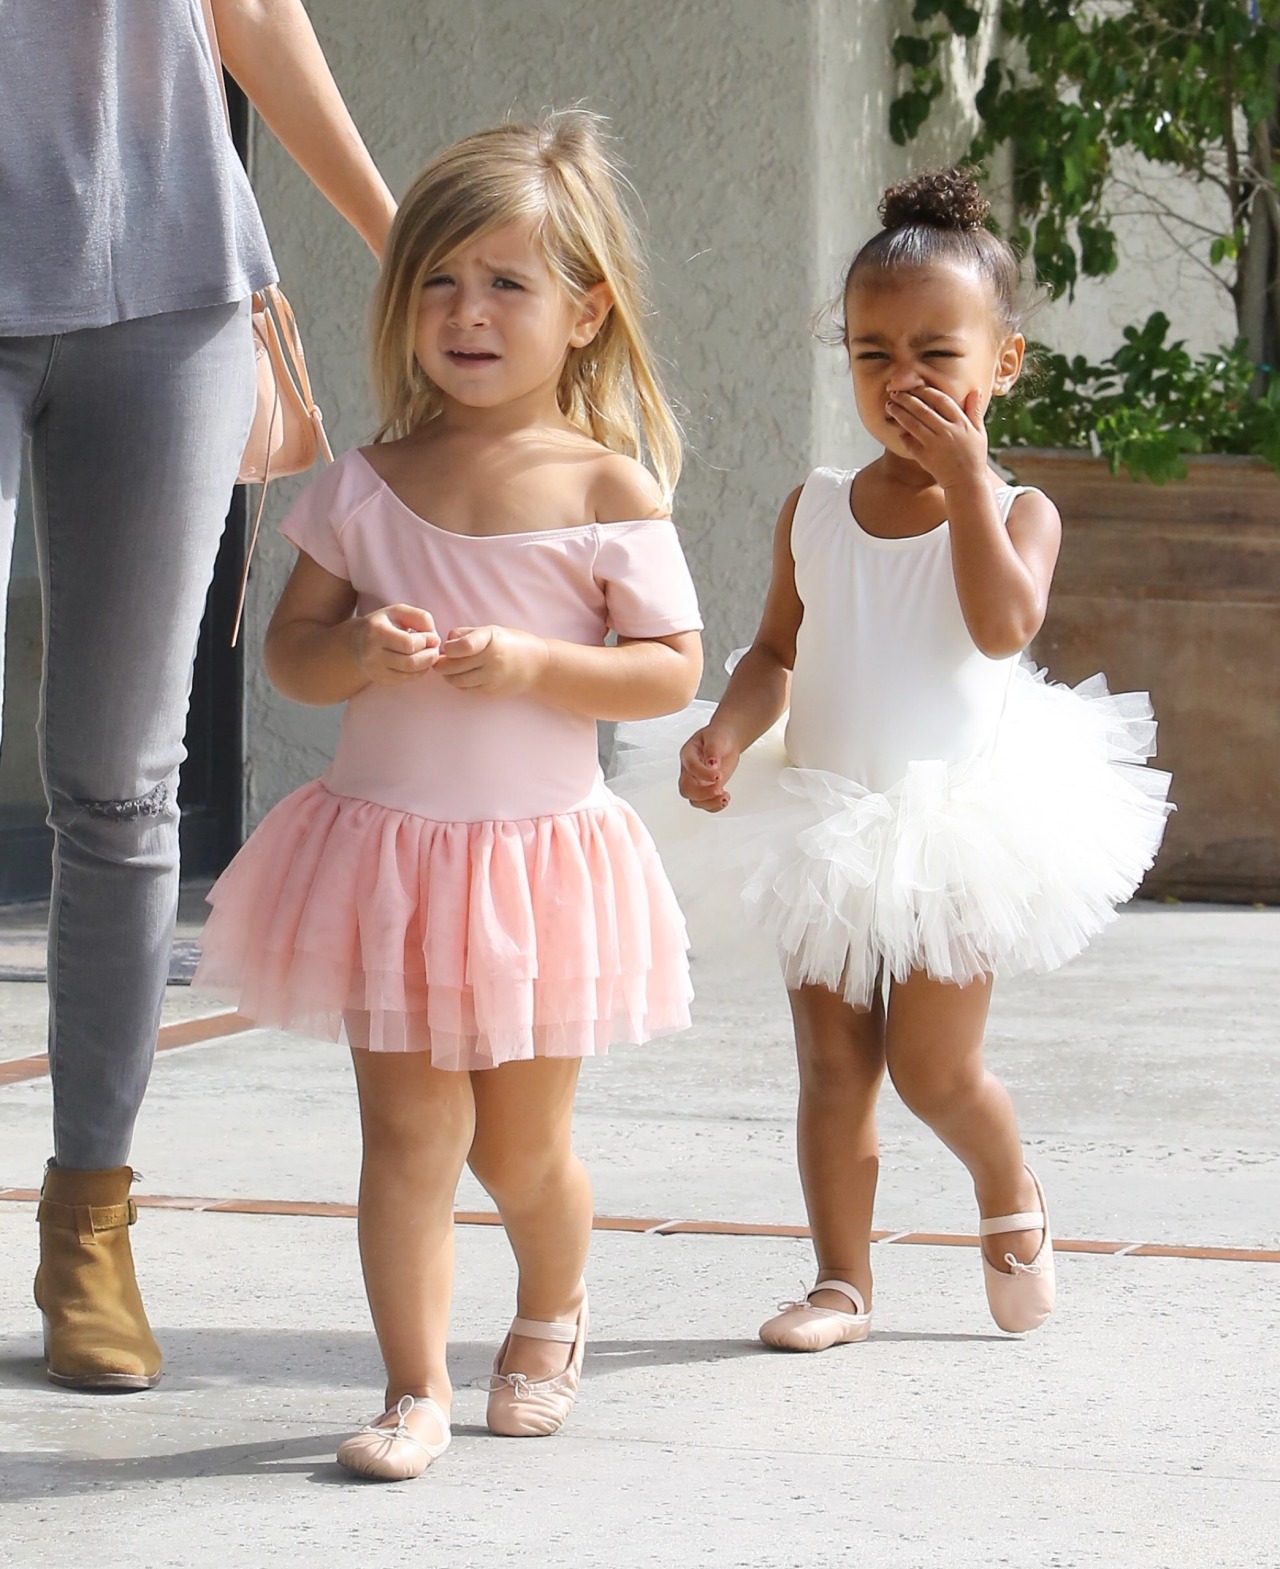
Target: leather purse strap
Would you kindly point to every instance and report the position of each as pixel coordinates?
(291, 342)
(272, 302)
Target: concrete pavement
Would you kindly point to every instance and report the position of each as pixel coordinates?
(1138, 1430)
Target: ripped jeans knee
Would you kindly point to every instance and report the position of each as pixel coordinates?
(138, 832)
(153, 804)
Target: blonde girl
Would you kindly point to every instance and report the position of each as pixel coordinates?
(460, 893)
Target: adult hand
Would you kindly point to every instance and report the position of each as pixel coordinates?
(707, 763)
(946, 438)
(395, 644)
(499, 661)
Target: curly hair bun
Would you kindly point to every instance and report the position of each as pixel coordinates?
(944, 199)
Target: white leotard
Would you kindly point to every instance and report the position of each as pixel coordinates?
(886, 673)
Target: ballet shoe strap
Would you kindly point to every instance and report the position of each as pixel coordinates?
(843, 1286)
(1026, 1220)
(536, 1329)
(400, 1432)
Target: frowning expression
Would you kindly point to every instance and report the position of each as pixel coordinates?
(495, 323)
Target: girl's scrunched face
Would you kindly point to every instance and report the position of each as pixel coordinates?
(495, 323)
(927, 327)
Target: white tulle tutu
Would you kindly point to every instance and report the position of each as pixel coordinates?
(1003, 863)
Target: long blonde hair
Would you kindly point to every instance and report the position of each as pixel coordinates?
(559, 173)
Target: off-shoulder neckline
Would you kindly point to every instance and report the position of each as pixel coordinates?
(525, 535)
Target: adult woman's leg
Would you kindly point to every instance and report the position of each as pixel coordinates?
(135, 441)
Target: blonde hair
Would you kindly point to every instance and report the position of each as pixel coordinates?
(558, 173)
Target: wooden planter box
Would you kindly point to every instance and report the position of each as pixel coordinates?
(1175, 589)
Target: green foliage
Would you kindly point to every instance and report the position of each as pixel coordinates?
(1183, 83)
(1146, 406)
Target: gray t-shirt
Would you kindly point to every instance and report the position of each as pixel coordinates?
(121, 194)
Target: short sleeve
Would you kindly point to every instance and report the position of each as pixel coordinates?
(314, 522)
(647, 586)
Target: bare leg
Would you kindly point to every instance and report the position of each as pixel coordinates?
(934, 1045)
(523, 1155)
(841, 1057)
(417, 1123)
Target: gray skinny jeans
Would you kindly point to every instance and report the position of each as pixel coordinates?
(135, 433)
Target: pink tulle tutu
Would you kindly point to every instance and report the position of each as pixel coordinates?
(481, 942)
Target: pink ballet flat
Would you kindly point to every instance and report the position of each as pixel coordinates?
(387, 1452)
(1021, 1297)
(799, 1326)
(521, 1407)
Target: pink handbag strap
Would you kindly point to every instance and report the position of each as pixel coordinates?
(291, 341)
(272, 299)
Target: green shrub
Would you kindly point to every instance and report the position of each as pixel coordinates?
(1145, 406)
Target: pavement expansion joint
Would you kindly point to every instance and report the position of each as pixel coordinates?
(183, 1032)
(641, 1225)
(226, 1022)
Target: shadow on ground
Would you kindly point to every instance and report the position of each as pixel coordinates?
(279, 1359)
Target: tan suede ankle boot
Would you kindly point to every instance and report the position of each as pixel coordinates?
(96, 1334)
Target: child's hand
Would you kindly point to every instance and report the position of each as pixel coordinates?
(707, 763)
(946, 438)
(395, 644)
(498, 661)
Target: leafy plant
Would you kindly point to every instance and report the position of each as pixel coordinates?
(1192, 86)
(1145, 406)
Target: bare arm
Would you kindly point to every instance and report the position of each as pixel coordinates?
(317, 651)
(271, 50)
(1002, 573)
(639, 679)
(759, 687)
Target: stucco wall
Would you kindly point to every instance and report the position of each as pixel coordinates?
(1156, 272)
